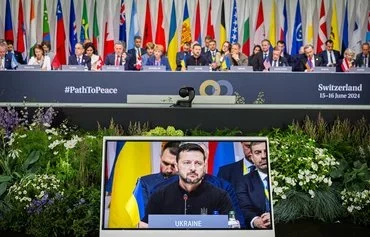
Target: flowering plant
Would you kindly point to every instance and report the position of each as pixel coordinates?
(160, 131)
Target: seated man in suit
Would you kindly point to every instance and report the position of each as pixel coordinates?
(211, 53)
(330, 56)
(363, 58)
(196, 59)
(280, 44)
(262, 57)
(17, 55)
(182, 56)
(119, 57)
(207, 39)
(79, 58)
(137, 50)
(253, 190)
(277, 60)
(159, 59)
(5, 59)
(309, 61)
(236, 57)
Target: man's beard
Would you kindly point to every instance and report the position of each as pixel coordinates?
(192, 181)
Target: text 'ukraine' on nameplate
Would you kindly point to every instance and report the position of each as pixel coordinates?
(198, 68)
(188, 221)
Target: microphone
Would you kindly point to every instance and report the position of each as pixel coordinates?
(185, 197)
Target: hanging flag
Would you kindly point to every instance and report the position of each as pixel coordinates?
(173, 38)
(160, 35)
(122, 22)
(197, 33)
(147, 35)
(309, 23)
(334, 31)
(45, 24)
(108, 33)
(21, 33)
(220, 154)
(133, 161)
(259, 33)
(60, 56)
(8, 22)
(72, 29)
(272, 31)
(323, 35)
(234, 33)
(185, 29)
(284, 25)
(345, 65)
(96, 32)
(297, 41)
(345, 30)
(246, 34)
(134, 27)
(356, 40)
(33, 38)
(84, 34)
(368, 22)
(210, 29)
(223, 24)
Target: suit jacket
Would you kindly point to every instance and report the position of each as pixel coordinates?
(204, 50)
(251, 196)
(164, 62)
(282, 62)
(325, 60)
(18, 56)
(179, 57)
(8, 62)
(360, 60)
(111, 60)
(243, 60)
(86, 60)
(209, 57)
(257, 61)
(289, 59)
(133, 51)
(232, 172)
(301, 64)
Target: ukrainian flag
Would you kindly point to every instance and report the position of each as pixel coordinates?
(173, 38)
(133, 161)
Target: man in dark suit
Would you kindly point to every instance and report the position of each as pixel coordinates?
(330, 56)
(196, 59)
(277, 60)
(363, 58)
(119, 57)
(211, 53)
(17, 55)
(309, 61)
(253, 190)
(205, 49)
(235, 171)
(79, 58)
(5, 59)
(137, 50)
(265, 55)
(181, 56)
(280, 44)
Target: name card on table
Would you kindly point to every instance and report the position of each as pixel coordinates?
(198, 68)
(113, 68)
(360, 69)
(154, 68)
(241, 69)
(28, 67)
(281, 69)
(324, 70)
(188, 221)
(73, 67)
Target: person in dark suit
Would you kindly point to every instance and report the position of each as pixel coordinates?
(196, 59)
(17, 55)
(159, 59)
(280, 44)
(256, 49)
(363, 58)
(182, 55)
(79, 58)
(309, 61)
(137, 50)
(261, 57)
(207, 39)
(235, 171)
(253, 190)
(119, 57)
(5, 59)
(211, 53)
(330, 56)
(277, 60)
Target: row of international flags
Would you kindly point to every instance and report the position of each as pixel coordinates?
(341, 42)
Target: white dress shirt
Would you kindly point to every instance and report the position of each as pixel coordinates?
(45, 64)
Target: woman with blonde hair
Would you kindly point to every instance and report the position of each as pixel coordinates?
(348, 61)
(158, 59)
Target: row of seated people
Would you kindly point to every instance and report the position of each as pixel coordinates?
(262, 58)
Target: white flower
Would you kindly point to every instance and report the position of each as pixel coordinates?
(14, 153)
(283, 196)
(55, 153)
(70, 144)
(23, 136)
(46, 125)
(314, 166)
(300, 176)
(350, 208)
(312, 193)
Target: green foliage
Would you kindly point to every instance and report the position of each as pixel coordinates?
(160, 131)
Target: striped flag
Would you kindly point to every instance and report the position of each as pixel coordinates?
(345, 30)
(45, 24)
(33, 38)
(246, 33)
(210, 29)
(109, 32)
(345, 65)
(21, 32)
(160, 35)
(186, 29)
(322, 36)
(272, 31)
(122, 22)
(134, 27)
(96, 32)
(309, 23)
(197, 33)
(147, 35)
(8, 22)
(223, 24)
(234, 33)
(284, 24)
(297, 34)
(259, 33)
(334, 30)
(60, 56)
(84, 33)
(72, 29)
(173, 38)
(220, 154)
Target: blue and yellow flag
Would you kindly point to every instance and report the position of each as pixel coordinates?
(173, 38)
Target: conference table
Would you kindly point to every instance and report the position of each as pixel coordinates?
(263, 99)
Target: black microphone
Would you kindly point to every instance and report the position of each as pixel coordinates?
(185, 197)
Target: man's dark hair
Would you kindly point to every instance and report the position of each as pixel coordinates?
(366, 43)
(47, 43)
(10, 42)
(280, 42)
(137, 37)
(329, 41)
(196, 45)
(208, 37)
(190, 147)
(172, 147)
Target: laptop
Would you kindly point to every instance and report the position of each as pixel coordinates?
(281, 69)
(241, 69)
(154, 68)
(28, 67)
(198, 68)
(73, 67)
(113, 68)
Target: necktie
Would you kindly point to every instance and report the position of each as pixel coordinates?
(365, 61)
(332, 57)
(265, 56)
(249, 169)
(275, 63)
(266, 192)
(1, 63)
(117, 61)
(309, 62)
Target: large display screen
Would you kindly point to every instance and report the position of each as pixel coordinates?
(186, 186)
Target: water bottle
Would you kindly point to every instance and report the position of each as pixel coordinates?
(233, 223)
(86, 68)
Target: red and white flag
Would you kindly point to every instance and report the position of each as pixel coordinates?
(99, 64)
(259, 34)
(109, 33)
(323, 34)
(21, 33)
(345, 65)
(139, 63)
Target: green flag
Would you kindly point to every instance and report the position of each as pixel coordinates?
(45, 24)
(84, 34)
(96, 33)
